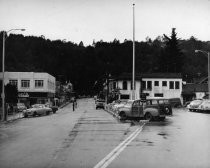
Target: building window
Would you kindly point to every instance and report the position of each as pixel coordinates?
(164, 83)
(156, 83)
(143, 83)
(124, 96)
(149, 85)
(171, 85)
(25, 83)
(158, 94)
(125, 85)
(14, 82)
(176, 85)
(39, 83)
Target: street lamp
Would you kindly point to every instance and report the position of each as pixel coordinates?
(133, 75)
(3, 60)
(205, 52)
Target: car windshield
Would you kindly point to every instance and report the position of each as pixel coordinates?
(38, 106)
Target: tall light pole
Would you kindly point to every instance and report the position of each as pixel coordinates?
(3, 60)
(205, 52)
(133, 77)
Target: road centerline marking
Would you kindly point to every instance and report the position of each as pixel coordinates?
(116, 151)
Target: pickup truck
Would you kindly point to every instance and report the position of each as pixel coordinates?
(137, 109)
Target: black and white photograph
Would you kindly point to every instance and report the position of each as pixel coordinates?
(104, 83)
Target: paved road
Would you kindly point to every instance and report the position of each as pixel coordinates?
(94, 138)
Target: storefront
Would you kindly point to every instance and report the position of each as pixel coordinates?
(30, 98)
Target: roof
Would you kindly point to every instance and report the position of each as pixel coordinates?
(138, 76)
(191, 88)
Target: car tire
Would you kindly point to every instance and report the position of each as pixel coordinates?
(148, 116)
(25, 115)
(48, 113)
(122, 116)
(34, 114)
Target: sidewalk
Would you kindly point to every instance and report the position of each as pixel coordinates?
(20, 114)
(13, 117)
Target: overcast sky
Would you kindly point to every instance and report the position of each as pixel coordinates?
(86, 20)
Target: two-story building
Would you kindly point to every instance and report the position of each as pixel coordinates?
(33, 87)
(167, 85)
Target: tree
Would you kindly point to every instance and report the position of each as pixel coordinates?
(171, 59)
(11, 94)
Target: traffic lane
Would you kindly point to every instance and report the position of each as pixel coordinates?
(180, 141)
(95, 135)
(32, 142)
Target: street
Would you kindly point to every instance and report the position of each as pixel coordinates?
(91, 138)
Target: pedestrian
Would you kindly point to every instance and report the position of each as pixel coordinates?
(73, 105)
(75, 102)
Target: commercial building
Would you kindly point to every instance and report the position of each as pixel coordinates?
(167, 85)
(33, 87)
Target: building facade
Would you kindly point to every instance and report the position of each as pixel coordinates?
(33, 87)
(167, 85)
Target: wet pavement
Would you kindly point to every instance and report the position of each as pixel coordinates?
(180, 141)
(86, 136)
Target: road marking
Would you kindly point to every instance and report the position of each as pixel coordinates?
(115, 152)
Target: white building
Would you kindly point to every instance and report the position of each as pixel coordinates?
(167, 85)
(33, 87)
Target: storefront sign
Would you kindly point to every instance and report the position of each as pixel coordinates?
(24, 94)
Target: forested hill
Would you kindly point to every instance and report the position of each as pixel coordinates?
(86, 67)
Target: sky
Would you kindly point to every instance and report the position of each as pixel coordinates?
(88, 20)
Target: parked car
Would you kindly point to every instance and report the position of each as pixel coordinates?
(137, 109)
(204, 106)
(37, 109)
(194, 105)
(100, 103)
(21, 107)
(164, 102)
(118, 104)
(54, 108)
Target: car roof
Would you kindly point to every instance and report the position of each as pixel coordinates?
(157, 98)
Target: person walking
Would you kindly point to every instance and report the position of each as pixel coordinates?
(73, 104)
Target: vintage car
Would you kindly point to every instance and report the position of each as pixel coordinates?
(37, 109)
(137, 109)
(194, 105)
(204, 107)
(118, 104)
(100, 103)
(21, 107)
(162, 101)
(54, 108)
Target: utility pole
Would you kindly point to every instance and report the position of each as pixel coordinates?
(4, 115)
(133, 77)
(3, 94)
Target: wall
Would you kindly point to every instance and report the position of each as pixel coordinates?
(49, 81)
(167, 93)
